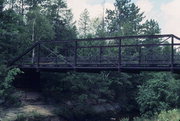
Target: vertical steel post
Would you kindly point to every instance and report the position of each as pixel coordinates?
(38, 58)
(75, 52)
(140, 55)
(172, 53)
(56, 61)
(100, 54)
(119, 56)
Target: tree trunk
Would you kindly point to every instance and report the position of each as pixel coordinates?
(33, 51)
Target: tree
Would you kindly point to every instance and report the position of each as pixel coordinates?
(125, 19)
(10, 29)
(61, 19)
(98, 27)
(39, 26)
(150, 27)
(1, 5)
(151, 53)
(84, 23)
(33, 3)
(9, 33)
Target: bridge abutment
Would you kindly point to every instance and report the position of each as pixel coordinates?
(30, 79)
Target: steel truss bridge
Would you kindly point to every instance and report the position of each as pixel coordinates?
(124, 53)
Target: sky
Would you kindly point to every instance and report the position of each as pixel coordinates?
(165, 12)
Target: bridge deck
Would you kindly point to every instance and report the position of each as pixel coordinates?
(89, 68)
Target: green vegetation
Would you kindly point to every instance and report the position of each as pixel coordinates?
(171, 115)
(32, 116)
(161, 92)
(83, 96)
(8, 97)
(150, 93)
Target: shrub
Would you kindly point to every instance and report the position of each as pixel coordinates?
(79, 87)
(161, 92)
(6, 89)
(79, 92)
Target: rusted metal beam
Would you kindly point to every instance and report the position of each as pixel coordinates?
(172, 53)
(24, 53)
(112, 38)
(38, 51)
(119, 55)
(132, 45)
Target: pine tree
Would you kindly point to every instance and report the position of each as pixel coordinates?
(84, 24)
(61, 18)
(125, 19)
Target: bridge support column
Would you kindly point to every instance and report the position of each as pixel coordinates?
(30, 79)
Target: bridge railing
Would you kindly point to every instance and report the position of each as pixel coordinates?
(116, 52)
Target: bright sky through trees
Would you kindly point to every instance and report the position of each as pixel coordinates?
(166, 12)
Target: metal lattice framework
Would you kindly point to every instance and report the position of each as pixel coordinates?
(125, 53)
